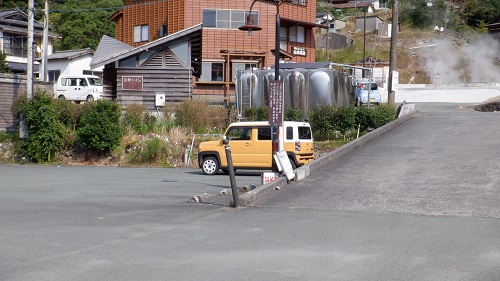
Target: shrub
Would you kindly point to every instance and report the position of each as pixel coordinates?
(294, 114)
(322, 121)
(345, 119)
(256, 113)
(45, 132)
(148, 149)
(165, 149)
(373, 117)
(99, 127)
(67, 113)
(135, 117)
(200, 117)
(383, 114)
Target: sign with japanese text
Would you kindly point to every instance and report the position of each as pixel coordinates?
(133, 83)
(299, 51)
(276, 96)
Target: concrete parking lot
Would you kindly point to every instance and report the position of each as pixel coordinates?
(419, 202)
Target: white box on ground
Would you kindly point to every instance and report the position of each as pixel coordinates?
(268, 177)
(285, 164)
(406, 108)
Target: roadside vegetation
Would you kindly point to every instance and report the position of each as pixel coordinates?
(102, 133)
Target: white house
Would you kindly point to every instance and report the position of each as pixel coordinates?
(14, 39)
(71, 62)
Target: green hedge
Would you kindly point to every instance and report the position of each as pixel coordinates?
(99, 127)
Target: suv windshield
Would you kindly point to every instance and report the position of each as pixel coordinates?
(95, 81)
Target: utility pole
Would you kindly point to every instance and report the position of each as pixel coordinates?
(328, 35)
(30, 51)
(44, 70)
(391, 98)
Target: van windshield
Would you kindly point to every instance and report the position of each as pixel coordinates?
(95, 81)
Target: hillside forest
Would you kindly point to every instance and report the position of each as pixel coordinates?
(82, 24)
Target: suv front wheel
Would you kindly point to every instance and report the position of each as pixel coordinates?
(210, 166)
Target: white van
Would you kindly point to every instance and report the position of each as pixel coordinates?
(79, 88)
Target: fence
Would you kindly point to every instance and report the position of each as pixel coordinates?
(13, 86)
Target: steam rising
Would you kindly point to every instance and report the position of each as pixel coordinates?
(477, 61)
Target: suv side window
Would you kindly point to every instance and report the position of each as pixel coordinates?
(239, 133)
(264, 133)
(304, 133)
(289, 133)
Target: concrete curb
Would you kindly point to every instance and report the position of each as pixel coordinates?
(306, 170)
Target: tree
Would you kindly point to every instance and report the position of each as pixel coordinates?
(477, 13)
(81, 24)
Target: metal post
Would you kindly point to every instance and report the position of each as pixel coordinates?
(279, 147)
(232, 179)
(392, 63)
(364, 42)
(44, 70)
(29, 64)
(277, 47)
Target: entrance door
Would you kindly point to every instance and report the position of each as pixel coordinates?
(241, 143)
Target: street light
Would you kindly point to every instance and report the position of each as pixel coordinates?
(250, 26)
(276, 90)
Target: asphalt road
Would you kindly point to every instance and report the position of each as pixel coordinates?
(420, 202)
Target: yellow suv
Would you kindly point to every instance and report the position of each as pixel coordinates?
(251, 147)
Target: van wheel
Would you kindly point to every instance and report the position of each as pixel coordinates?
(210, 166)
(294, 166)
(61, 97)
(90, 98)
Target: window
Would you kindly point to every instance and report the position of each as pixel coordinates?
(297, 34)
(304, 133)
(53, 75)
(239, 133)
(264, 133)
(242, 65)
(163, 31)
(300, 2)
(228, 19)
(95, 81)
(141, 33)
(212, 71)
(15, 45)
(289, 133)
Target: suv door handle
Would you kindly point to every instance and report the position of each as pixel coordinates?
(247, 144)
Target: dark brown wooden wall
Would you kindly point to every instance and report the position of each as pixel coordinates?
(11, 87)
(174, 83)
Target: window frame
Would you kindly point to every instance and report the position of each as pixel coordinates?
(141, 33)
(217, 18)
(207, 70)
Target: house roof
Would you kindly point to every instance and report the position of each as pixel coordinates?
(111, 50)
(306, 65)
(303, 23)
(16, 21)
(70, 54)
(107, 49)
(351, 5)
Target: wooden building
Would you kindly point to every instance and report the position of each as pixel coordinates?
(150, 74)
(224, 48)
